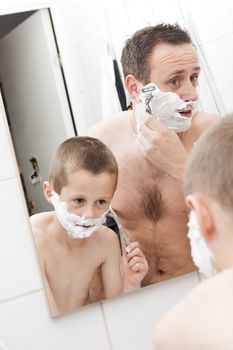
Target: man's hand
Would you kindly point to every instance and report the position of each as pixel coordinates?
(162, 147)
(134, 266)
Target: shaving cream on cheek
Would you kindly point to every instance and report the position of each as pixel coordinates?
(165, 106)
(76, 226)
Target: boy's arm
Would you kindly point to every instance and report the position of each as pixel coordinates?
(41, 253)
(110, 269)
(51, 301)
(134, 266)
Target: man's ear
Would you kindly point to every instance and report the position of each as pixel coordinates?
(200, 205)
(48, 189)
(133, 86)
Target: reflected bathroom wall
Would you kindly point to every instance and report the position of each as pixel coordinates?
(109, 23)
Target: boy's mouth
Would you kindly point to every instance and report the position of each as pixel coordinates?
(84, 226)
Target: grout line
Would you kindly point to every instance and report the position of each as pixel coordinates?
(20, 296)
(6, 179)
(106, 326)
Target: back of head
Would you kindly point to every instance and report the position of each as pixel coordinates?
(138, 49)
(81, 152)
(209, 168)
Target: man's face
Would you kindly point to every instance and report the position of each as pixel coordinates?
(175, 68)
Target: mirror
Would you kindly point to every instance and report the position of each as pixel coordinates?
(35, 131)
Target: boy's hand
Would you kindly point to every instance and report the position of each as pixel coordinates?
(134, 265)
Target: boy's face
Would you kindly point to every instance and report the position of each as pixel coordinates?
(87, 194)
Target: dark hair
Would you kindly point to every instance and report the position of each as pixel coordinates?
(81, 152)
(209, 168)
(138, 49)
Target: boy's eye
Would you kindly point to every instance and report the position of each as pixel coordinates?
(101, 202)
(79, 201)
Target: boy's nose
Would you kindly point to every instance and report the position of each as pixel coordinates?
(89, 212)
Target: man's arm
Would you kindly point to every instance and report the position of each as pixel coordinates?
(163, 148)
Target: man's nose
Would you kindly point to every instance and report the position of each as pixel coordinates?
(188, 92)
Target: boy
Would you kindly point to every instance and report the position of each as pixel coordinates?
(204, 319)
(72, 242)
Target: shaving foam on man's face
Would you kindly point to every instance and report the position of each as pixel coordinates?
(165, 106)
(75, 225)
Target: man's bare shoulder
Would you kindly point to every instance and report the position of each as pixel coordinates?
(188, 321)
(107, 127)
(202, 120)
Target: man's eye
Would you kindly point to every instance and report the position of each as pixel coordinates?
(174, 81)
(194, 77)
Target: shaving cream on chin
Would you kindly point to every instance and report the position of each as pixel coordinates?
(165, 106)
(75, 224)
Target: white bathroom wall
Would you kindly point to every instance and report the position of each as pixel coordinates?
(126, 322)
(212, 22)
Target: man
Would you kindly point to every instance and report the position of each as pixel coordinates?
(149, 198)
(204, 319)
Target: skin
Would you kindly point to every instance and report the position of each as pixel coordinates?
(203, 320)
(157, 166)
(68, 265)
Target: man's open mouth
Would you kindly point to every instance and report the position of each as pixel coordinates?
(187, 113)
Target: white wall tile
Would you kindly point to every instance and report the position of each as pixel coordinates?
(19, 271)
(86, 61)
(82, 18)
(219, 57)
(131, 318)
(8, 163)
(91, 104)
(26, 325)
(211, 20)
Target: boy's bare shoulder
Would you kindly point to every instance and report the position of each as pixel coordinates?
(40, 224)
(200, 307)
(107, 237)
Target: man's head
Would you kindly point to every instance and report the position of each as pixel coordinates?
(81, 153)
(208, 180)
(162, 54)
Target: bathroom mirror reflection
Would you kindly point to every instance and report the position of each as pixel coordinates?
(40, 116)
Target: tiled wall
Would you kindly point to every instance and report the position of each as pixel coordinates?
(126, 322)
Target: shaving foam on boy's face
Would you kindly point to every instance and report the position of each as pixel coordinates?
(76, 226)
(201, 254)
(167, 107)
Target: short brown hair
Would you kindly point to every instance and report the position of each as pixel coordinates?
(81, 152)
(138, 49)
(209, 168)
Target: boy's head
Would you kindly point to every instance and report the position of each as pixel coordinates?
(209, 168)
(81, 185)
(208, 180)
(81, 153)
